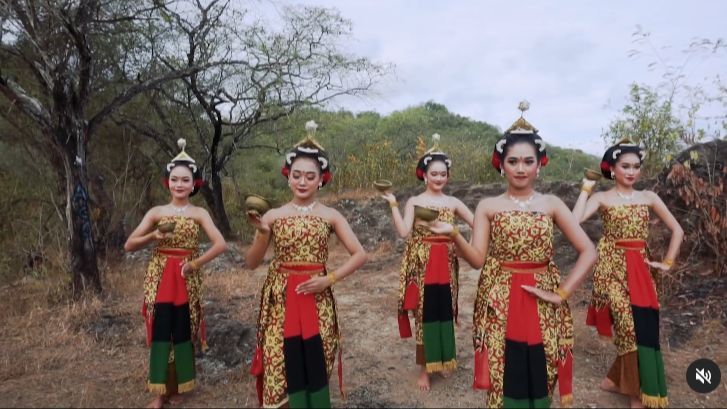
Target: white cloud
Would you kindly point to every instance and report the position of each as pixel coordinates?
(480, 58)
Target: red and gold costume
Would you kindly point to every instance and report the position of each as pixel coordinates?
(428, 286)
(172, 309)
(529, 341)
(298, 335)
(625, 300)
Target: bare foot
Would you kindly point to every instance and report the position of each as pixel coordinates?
(423, 381)
(175, 399)
(636, 402)
(157, 403)
(608, 386)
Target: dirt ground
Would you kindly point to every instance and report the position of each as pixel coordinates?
(92, 353)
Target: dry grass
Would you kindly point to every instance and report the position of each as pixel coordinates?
(92, 352)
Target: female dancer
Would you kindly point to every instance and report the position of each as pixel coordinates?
(429, 274)
(172, 305)
(522, 324)
(624, 294)
(298, 332)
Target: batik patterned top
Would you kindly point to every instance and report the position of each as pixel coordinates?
(523, 236)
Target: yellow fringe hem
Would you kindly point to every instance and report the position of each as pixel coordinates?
(185, 387)
(566, 401)
(654, 401)
(441, 366)
(277, 405)
(157, 388)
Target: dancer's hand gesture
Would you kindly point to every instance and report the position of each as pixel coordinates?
(389, 197)
(313, 286)
(588, 183)
(255, 220)
(440, 227)
(548, 296)
(186, 268)
(158, 235)
(656, 264)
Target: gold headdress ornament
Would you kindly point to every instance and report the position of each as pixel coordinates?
(182, 156)
(309, 141)
(310, 147)
(521, 126)
(435, 146)
(421, 146)
(626, 141)
(429, 155)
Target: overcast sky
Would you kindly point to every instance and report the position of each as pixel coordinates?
(570, 59)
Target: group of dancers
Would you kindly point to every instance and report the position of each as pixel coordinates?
(523, 329)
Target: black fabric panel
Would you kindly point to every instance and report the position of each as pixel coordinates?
(525, 374)
(182, 324)
(315, 363)
(430, 313)
(163, 322)
(294, 363)
(445, 303)
(538, 372)
(646, 325)
(437, 303)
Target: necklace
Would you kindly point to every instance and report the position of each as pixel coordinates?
(304, 209)
(179, 210)
(625, 197)
(523, 204)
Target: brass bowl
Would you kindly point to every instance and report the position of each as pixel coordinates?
(257, 204)
(425, 213)
(591, 174)
(166, 227)
(383, 185)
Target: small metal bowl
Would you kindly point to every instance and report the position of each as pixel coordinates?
(257, 204)
(383, 185)
(425, 213)
(166, 227)
(591, 174)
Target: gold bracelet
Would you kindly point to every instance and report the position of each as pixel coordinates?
(394, 204)
(331, 278)
(455, 232)
(669, 262)
(586, 189)
(194, 264)
(562, 293)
